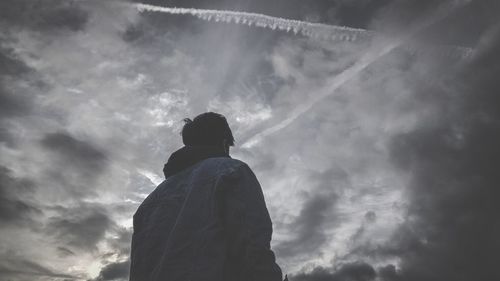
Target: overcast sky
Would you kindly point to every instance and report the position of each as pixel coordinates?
(390, 177)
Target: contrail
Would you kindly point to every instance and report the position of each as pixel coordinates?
(321, 31)
(316, 30)
(313, 30)
(349, 73)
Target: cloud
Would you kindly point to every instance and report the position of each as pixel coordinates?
(431, 104)
(20, 86)
(21, 268)
(13, 103)
(11, 65)
(120, 244)
(357, 13)
(81, 227)
(64, 252)
(317, 210)
(114, 271)
(451, 157)
(351, 272)
(83, 155)
(43, 15)
(15, 207)
(82, 162)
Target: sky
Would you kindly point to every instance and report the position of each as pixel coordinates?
(388, 175)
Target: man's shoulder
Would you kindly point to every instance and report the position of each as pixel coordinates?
(222, 165)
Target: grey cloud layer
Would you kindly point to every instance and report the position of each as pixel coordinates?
(318, 208)
(20, 268)
(81, 227)
(31, 186)
(43, 15)
(15, 206)
(453, 193)
(450, 226)
(86, 158)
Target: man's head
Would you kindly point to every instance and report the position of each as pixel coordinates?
(208, 128)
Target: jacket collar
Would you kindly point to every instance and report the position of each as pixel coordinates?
(190, 155)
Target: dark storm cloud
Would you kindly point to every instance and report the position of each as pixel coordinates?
(80, 160)
(120, 243)
(11, 69)
(317, 210)
(369, 218)
(117, 271)
(120, 249)
(15, 207)
(358, 13)
(64, 252)
(5, 137)
(78, 153)
(348, 272)
(10, 64)
(11, 104)
(452, 228)
(21, 268)
(308, 227)
(15, 101)
(75, 165)
(80, 228)
(461, 27)
(43, 15)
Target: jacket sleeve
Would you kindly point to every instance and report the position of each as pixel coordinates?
(248, 227)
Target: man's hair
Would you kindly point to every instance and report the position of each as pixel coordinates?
(208, 128)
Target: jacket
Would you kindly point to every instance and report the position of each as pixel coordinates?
(207, 221)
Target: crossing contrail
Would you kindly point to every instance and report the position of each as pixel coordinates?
(349, 73)
(321, 31)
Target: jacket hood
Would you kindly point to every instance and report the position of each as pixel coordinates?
(190, 155)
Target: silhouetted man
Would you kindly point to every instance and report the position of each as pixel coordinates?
(208, 220)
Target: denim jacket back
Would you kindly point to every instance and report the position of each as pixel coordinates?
(208, 222)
